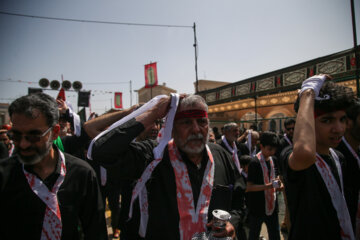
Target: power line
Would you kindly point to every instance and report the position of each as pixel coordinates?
(93, 21)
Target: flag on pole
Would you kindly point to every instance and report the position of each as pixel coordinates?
(151, 75)
(82, 114)
(118, 100)
(61, 94)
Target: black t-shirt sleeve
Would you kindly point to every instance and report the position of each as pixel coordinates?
(254, 172)
(289, 174)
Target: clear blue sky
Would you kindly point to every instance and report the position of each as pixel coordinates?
(237, 39)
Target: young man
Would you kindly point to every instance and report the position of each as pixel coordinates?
(312, 171)
(350, 148)
(46, 194)
(285, 142)
(261, 189)
(180, 173)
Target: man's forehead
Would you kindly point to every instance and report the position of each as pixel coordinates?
(191, 107)
(332, 114)
(37, 121)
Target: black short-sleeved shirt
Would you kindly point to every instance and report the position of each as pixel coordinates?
(282, 145)
(312, 214)
(256, 200)
(22, 211)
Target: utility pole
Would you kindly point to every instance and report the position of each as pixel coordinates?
(196, 57)
(355, 47)
(130, 95)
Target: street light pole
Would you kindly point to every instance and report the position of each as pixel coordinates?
(130, 94)
(355, 47)
(196, 56)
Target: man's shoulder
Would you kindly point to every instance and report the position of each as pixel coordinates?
(9, 162)
(216, 148)
(220, 142)
(283, 143)
(219, 152)
(74, 163)
(254, 162)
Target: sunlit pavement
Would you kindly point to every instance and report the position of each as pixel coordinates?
(283, 236)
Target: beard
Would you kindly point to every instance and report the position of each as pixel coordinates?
(183, 145)
(35, 158)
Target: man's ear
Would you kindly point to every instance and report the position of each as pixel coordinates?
(55, 131)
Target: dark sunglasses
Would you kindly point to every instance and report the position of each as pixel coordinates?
(33, 138)
(290, 129)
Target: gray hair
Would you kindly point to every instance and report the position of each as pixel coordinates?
(192, 100)
(230, 126)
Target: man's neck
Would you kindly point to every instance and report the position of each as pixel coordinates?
(47, 165)
(230, 142)
(195, 158)
(322, 150)
(267, 158)
(352, 141)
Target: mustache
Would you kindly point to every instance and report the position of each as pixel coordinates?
(18, 149)
(198, 136)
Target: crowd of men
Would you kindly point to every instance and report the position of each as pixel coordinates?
(172, 170)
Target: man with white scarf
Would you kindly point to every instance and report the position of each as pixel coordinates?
(312, 168)
(186, 173)
(229, 142)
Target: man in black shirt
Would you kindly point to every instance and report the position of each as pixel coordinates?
(229, 142)
(262, 184)
(46, 194)
(285, 142)
(312, 169)
(350, 147)
(183, 188)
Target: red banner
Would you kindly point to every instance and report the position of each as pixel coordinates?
(151, 75)
(61, 94)
(118, 100)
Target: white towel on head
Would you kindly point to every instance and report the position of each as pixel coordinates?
(136, 113)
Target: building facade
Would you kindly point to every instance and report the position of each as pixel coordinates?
(145, 94)
(267, 100)
(4, 115)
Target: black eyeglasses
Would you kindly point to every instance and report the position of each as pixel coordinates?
(33, 138)
(288, 129)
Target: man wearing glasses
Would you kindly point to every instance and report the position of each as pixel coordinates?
(46, 194)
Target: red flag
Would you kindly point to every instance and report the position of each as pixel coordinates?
(61, 94)
(118, 100)
(151, 75)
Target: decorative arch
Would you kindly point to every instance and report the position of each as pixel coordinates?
(250, 116)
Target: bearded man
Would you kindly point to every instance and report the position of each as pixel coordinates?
(46, 194)
(180, 185)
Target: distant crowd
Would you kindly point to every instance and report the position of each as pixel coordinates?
(165, 173)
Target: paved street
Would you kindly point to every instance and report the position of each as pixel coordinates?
(283, 235)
